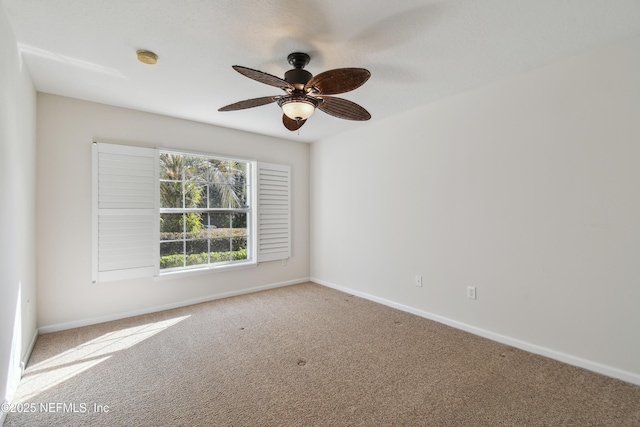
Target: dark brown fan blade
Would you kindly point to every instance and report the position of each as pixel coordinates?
(343, 109)
(249, 103)
(263, 77)
(291, 124)
(340, 80)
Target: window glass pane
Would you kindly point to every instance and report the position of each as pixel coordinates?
(220, 249)
(170, 166)
(215, 196)
(232, 197)
(197, 252)
(239, 235)
(206, 191)
(171, 254)
(171, 226)
(241, 167)
(220, 244)
(240, 190)
(195, 195)
(221, 237)
(227, 177)
(222, 223)
(239, 230)
(171, 194)
(240, 254)
(238, 184)
(239, 220)
(195, 225)
(209, 228)
(195, 168)
(171, 248)
(226, 181)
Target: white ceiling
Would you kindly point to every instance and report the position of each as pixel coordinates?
(418, 51)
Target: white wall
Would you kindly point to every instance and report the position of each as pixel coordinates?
(66, 129)
(17, 211)
(528, 189)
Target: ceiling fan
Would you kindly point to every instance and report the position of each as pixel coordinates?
(305, 92)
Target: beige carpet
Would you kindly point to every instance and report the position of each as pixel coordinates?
(300, 356)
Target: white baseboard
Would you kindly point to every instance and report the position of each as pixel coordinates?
(95, 320)
(27, 354)
(609, 371)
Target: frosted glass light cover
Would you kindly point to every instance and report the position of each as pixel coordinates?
(298, 110)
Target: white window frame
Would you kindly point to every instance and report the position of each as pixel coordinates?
(251, 221)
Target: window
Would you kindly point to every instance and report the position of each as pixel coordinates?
(205, 211)
(162, 211)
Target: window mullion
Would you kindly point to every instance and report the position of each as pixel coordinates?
(184, 216)
(184, 240)
(231, 236)
(208, 227)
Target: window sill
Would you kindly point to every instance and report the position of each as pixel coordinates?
(205, 270)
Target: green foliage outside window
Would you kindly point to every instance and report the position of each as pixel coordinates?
(207, 184)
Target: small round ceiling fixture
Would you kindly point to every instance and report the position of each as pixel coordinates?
(146, 56)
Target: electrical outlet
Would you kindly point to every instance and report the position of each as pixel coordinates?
(471, 292)
(419, 281)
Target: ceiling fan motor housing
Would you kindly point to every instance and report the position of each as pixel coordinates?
(297, 76)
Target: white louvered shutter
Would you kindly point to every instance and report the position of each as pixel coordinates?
(274, 212)
(125, 212)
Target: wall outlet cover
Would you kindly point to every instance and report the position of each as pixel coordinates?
(471, 292)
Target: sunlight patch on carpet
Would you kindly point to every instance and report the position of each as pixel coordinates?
(58, 369)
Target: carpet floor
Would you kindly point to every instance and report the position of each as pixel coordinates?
(303, 355)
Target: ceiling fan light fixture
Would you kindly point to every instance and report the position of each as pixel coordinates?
(298, 108)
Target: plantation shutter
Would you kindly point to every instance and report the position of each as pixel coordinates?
(274, 212)
(125, 212)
